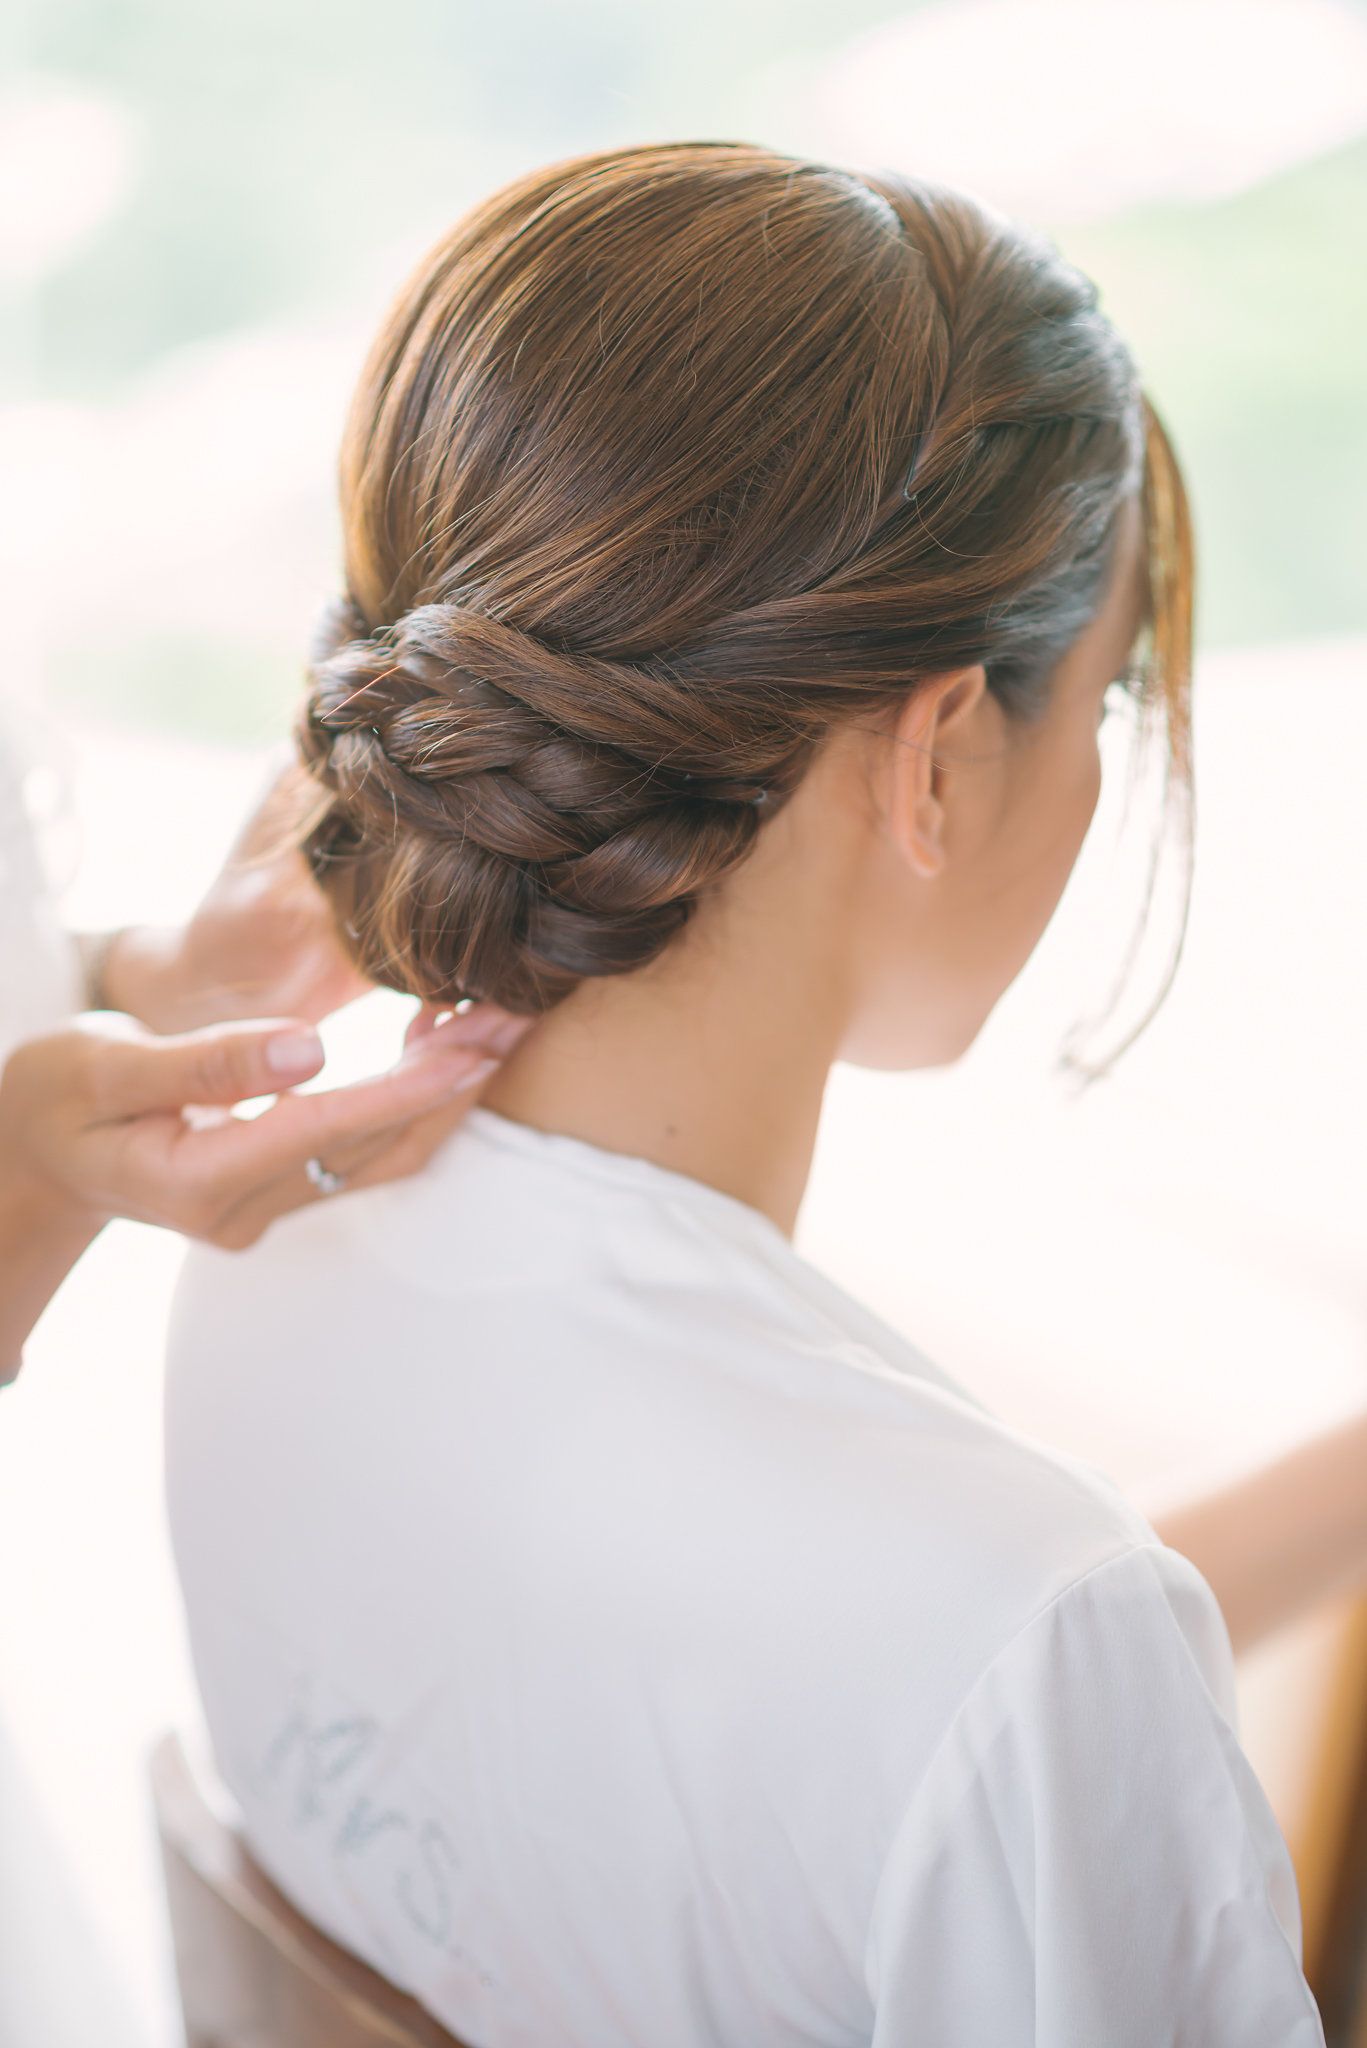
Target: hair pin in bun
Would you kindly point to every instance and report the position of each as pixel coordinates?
(925, 441)
(760, 796)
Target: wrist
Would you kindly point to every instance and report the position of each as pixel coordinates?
(36, 1210)
(43, 1233)
(135, 970)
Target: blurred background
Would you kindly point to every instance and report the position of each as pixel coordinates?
(203, 214)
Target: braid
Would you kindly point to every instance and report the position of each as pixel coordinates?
(666, 465)
(465, 764)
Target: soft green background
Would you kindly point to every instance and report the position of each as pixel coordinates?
(284, 146)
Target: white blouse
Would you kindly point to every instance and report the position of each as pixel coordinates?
(623, 1639)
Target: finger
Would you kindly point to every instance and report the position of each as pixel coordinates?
(132, 1074)
(323, 980)
(422, 1024)
(395, 1155)
(483, 1023)
(349, 1157)
(244, 1154)
(267, 832)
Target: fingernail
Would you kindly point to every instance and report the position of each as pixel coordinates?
(294, 1054)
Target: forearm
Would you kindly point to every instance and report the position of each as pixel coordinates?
(1276, 1542)
(41, 1238)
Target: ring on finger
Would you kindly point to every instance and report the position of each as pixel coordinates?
(324, 1181)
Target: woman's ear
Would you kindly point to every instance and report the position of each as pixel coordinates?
(936, 709)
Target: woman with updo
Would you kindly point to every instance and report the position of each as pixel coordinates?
(608, 1628)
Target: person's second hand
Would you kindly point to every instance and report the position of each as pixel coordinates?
(94, 1125)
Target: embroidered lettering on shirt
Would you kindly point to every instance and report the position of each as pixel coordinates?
(395, 1842)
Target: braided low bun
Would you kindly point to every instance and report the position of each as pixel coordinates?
(472, 841)
(666, 463)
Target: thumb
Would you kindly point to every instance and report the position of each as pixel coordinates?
(224, 1063)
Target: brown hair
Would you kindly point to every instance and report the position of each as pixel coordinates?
(665, 460)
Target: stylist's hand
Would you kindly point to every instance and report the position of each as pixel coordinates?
(105, 1119)
(260, 944)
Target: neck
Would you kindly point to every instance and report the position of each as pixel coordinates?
(712, 1061)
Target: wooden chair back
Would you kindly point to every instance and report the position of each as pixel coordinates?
(253, 1972)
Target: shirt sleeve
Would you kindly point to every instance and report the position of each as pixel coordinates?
(1090, 1859)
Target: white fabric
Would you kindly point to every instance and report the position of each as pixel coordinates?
(40, 981)
(44, 1921)
(622, 1639)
